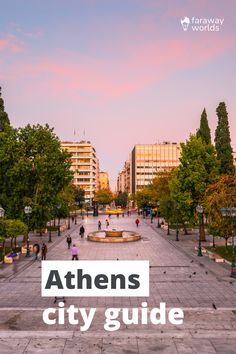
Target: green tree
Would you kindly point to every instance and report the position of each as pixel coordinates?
(3, 236)
(4, 120)
(220, 194)
(15, 228)
(34, 170)
(197, 170)
(144, 198)
(122, 199)
(104, 197)
(204, 131)
(222, 141)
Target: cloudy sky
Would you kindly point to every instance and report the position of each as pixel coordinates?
(120, 71)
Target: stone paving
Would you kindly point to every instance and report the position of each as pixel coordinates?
(177, 277)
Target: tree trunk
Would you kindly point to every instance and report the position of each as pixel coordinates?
(15, 241)
(3, 249)
(202, 233)
(185, 229)
(226, 242)
(11, 242)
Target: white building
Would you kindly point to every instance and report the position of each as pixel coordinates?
(85, 166)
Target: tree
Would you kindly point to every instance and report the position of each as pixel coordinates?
(222, 141)
(204, 131)
(104, 197)
(34, 170)
(3, 236)
(197, 170)
(15, 228)
(144, 198)
(79, 196)
(122, 199)
(221, 193)
(4, 120)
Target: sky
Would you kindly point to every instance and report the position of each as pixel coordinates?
(117, 72)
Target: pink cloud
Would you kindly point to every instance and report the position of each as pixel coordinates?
(10, 44)
(142, 65)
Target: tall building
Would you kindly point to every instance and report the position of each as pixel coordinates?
(103, 180)
(85, 166)
(123, 180)
(148, 160)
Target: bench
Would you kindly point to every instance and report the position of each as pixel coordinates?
(24, 249)
(219, 259)
(9, 259)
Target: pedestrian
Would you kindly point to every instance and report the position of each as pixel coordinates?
(44, 250)
(99, 225)
(107, 223)
(137, 222)
(81, 231)
(117, 215)
(36, 249)
(74, 253)
(68, 240)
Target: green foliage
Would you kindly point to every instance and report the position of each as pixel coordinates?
(79, 196)
(197, 170)
(222, 141)
(204, 131)
(104, 197)
(4, 120)
(221, 193)
(144, 198)
(15, 228)
(121, 199)
(34, 170)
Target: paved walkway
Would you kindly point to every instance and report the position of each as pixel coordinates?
(177, 277)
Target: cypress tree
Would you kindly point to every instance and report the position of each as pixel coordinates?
(4, 120)
(222, 141)
(204, 131)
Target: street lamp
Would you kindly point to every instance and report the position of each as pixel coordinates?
(158, 221)
(59, 231)
(2, 212)
(200, 214)
(28, 211)
(230, 214)
(69, 217)
(76, 204)
(50, 228)
(177, 223)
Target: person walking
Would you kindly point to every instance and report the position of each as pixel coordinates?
(137, 222)
(44, 251)
(68, 240)
(107, 223)
(81, 231)
(36, 249)
(74, 253)
(99, 225)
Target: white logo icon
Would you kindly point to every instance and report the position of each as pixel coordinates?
(185, 23)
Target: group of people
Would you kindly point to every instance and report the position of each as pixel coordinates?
(36, 251)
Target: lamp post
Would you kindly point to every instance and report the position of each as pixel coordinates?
(177, 223)
(28, 211)
(168, 205)
(50, 228)
(200, 214)
(76, 204)
(59, 231)
(68, 227)
(158, 221)
(2, 212)
(230, 214)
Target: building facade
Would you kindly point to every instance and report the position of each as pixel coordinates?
(148, 160)
(103, 180)
(85, 166)
(123, 180)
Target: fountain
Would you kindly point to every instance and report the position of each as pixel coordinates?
(113, 236)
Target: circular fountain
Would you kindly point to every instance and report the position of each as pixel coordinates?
(113, 236)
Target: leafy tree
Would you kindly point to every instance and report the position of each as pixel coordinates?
(79, 196)
(144, 198)
(4, 120)
(122, 199)
(15, 228)
(204, 131)
(197, 170)
(222, 141)
(104, 197)
(3, 236)
(220, 194)
(34, 170)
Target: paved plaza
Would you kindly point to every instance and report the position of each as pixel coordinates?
(177, 277)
